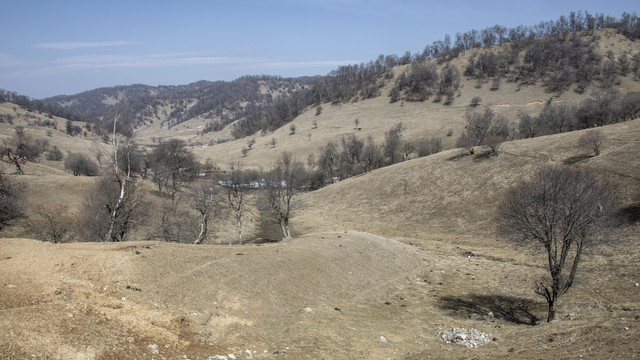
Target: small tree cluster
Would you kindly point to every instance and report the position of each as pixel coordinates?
(483, 128)
(592, 140)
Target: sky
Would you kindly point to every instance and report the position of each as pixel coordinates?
(63, 47)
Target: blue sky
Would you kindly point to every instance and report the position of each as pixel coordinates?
(64, 47)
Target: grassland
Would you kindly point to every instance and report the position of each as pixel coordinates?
(402, 252)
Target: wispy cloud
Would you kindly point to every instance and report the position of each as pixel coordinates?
(309, 64)
(80, 45)
(8, 60)
(142, 61)
(182, 59)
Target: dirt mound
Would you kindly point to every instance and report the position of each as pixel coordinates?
(101, 300)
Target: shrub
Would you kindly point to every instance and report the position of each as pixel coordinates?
(81, 164)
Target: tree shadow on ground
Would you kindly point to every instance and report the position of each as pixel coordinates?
(576, 159)
(479, 156)
(631, 213)
(507, 308)
(459, 156)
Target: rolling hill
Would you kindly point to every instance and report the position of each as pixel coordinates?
(381, 265)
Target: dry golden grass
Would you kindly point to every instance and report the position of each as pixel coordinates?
(402, 252)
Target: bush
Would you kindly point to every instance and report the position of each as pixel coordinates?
(81, 164)
(11, 201)
(55, 154)
(592, 140)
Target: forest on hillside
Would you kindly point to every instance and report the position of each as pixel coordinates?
(557, 53)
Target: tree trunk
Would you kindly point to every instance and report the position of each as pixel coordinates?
(16, 162)
(240, 231)
(551, 311)
(203, 229)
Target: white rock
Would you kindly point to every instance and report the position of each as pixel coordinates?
(231, 356)
(383, 339)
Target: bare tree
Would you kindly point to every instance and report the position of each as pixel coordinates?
(328, 160)
(11, 200)
(237, 200)
(81, 164)
(282, 185)
(204, 199)
(116, 193)
(371, 156)
(53, 223)
(392, 143)
(563, 209)
(21, 148)
(172, 164)
(593, 140)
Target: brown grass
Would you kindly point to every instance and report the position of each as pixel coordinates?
(402, 252)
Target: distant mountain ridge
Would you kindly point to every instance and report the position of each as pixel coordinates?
(202, 98)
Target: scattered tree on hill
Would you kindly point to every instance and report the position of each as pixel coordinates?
(204, 199)
(114, 206)
(328, 160)
(109, 213)
(12, 200)
(371, 156)
(563, 209)
(55, 154)
(282, 185)
(53, 223)
(426, 147)
(237, 200)
(592, 140)
(81, 164)
(392, 144)
(21, 148)
(177, 223)
(172, 164)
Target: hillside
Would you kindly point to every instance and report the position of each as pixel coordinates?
(336, 291)
(381, 263)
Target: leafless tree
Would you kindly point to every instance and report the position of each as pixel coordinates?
(563, 209)
(113, 206)
(407, 149)
(371, 156)
(12, 201)
(172, 164)
(328, 160)
(21, 148)
(237, 200)
(282, 185)
(204, 199)
(593, 140)
(479, 123)
(392, 143)
(81, 164)
(53, 223)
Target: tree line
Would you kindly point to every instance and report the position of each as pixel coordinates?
(558, 63)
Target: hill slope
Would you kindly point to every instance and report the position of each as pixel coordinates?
(340, 294)
(457, 194)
